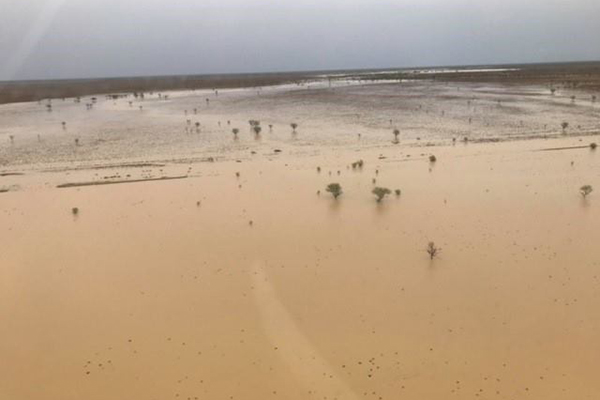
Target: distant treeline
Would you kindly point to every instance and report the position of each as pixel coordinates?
(577, 75)
(21, 91)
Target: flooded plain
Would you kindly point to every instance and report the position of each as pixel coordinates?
(198, 265)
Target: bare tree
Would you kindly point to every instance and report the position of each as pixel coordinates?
(432, 250)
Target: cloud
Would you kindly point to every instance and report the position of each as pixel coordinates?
(85, 38)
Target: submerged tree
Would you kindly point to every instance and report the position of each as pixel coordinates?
(335, 189)
(585, 190)
(380, 193)
(358, 164)
(432, 250)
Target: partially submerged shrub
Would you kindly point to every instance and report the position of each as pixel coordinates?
(335, 189)
(585, 190)
(564, 125)
(593, 146)
(432, 250)
(398, 192)
(235, 131)
(358, 164)
(380, 193)
(294, 126)
(432, 158)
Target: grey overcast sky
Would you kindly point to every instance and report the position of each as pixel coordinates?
(99, 38)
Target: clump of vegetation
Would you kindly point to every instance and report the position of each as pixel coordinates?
(593, 146)
(585, 190)
(380, 193)
(396, 133)
(235, 131)
(257, 129)
(75, 211)
(432, 250)
(335, 189)
(564, 125)
(294, 126)
(358, 164)
(318, 169)
(398, 192)
(432, 158)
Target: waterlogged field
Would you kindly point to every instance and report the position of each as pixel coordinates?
(198, 265)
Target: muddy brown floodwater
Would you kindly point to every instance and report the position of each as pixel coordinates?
(238, 281)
